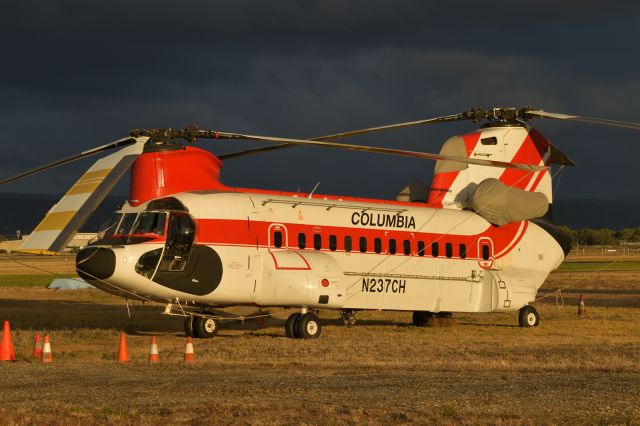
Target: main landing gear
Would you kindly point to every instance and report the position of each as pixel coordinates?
(303, 326)
(528, 317)
(201, 327)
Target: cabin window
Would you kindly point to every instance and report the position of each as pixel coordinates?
(317, 241)
(420, 248)
(392, 246)
(377, 245)
(463, 251)
(347, 243)
(333, 242)
(448, 249)
(302, 240)
(363, 244)
(406, 247)
(485, 251)
(435, 250)
(277, 239)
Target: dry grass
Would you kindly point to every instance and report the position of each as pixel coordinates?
(484, 371)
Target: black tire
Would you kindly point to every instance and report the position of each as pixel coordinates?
(205, 328)
(290, 325)
(421, 318)
(308, 326)
(528, 317)
(188, 326)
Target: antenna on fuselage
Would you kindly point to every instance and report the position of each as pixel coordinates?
(314, 189)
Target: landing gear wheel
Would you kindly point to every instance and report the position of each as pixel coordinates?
(421, 318)
(188, 326)
(528, 317)
(205, 328)
(308, 326)
(290, 325)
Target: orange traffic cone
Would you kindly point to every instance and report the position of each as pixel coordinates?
(46, 350)
(581, 309)
(37, 347)
(123, 353)
(6, 347)
(153, 351)
(189, 355)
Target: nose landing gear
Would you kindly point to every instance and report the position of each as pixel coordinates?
(200, 327)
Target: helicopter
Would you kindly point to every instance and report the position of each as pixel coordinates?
(479, 239)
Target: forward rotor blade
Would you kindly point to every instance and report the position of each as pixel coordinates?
(116, 144)
(211, 134)
(445, 118)
(591, 120)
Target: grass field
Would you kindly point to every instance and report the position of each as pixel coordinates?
(485, 370)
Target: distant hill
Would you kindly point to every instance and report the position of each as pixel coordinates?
(20, 211)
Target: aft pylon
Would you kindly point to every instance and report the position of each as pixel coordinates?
(46, 350)
(37, 347)
(189, 354)
(582, 311)
(154, 356)
(123, 353)
(6, 347)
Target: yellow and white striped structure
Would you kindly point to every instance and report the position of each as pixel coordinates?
(66, 217)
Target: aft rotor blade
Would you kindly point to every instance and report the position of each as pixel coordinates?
(591, 120)
(116, 144)
(334, 136)
(212, 134)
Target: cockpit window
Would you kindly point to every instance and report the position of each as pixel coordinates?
(113, 224)
(180, 239)
(126, 224)
(150, 223)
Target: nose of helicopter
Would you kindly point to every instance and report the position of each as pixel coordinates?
(95, 263)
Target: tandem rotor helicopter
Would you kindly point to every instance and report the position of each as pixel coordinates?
(479, 239)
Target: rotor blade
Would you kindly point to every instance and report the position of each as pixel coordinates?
(591, 120)
(445, 118)
(116, 144)
(212, 134)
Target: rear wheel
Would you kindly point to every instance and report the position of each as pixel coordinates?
(290, 325)
(205, 328)
(308, 326)
(528, 317)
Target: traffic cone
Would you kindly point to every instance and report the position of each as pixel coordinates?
(153, 351)
(582, 311)
(46, 350)
(189, 355)
(6, 347)
(123, 353)
(37, 347)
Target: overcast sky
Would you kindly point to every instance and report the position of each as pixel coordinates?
(79, 74)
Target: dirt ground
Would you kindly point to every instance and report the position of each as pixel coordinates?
(485, 370)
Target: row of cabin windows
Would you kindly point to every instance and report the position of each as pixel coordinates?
(377, 245)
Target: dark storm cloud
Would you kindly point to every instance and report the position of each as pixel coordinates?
(78, 74)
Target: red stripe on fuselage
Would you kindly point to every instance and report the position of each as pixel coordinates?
(256, 233)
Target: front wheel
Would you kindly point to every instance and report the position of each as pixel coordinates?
(205, 328)
(528, 317)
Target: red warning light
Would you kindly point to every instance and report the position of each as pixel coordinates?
(325, 282)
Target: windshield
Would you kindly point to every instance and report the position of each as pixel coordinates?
(126, 223)
(150, 223)
(113, 224)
